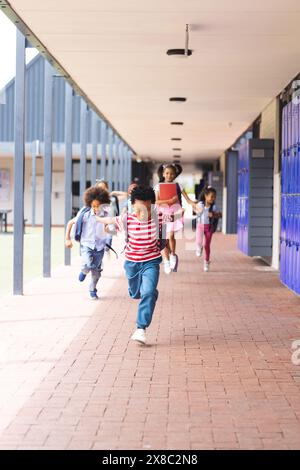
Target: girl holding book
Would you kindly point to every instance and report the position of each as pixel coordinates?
(172, 211)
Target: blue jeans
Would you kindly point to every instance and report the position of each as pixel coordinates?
(91, 262)
(142, 284)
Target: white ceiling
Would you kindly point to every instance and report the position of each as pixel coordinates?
(244, 53)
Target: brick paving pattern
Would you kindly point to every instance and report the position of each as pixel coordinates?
(217, 373)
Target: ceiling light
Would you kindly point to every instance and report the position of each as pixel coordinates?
(182, 53)
(176, 150)
(176, 138)
(179, 99)
(176, 156)
(176, 123)
(179, 52)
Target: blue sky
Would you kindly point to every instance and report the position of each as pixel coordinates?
(7, 50)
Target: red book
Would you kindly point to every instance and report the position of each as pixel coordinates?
(167, 191)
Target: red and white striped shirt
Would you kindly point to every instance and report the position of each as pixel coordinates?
(142, 237)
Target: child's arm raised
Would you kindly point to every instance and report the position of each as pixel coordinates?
(121, 194)
(197, 209)
(187, 198)
(68, 242)
(106, 220)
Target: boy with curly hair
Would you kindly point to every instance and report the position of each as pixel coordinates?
(144, 238)
(92, 235)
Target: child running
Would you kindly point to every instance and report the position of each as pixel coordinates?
(114, 210)
(207, 221)
(91, 234)
(172, 212)
(142, 253)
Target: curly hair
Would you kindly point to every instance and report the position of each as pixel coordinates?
(142, 193)
(174, 166)
(95, 194)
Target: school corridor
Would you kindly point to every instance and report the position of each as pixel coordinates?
(218, 372)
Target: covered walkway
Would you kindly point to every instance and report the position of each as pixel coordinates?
(217, 373)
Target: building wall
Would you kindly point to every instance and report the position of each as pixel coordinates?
(270, 129)
(58, 195)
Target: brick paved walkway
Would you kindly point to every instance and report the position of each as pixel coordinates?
(217, 373)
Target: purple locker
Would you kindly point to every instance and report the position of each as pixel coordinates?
(289, 146)
(293, 145)
(297, 165)
(283, 149)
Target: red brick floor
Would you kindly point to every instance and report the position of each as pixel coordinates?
(217, 373)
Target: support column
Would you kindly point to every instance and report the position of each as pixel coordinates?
(68, 161)
(129, 166)
(95, 123)
(117, 164)
(103, 150)
(126, 167)
(35, 152)
(110, 158)
(122, 167)
(48, 128)
(83, 148)
(19, 166)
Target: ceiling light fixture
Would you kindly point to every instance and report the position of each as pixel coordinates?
(176, 138)
(176, 150)
(182, 53)
(179, 99)
(176, 123)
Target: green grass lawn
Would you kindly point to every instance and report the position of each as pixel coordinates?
(33, 255)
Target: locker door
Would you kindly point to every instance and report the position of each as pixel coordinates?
(289, 146)
(294, 110)
(283, 149)
(283, 241)
(297, 176)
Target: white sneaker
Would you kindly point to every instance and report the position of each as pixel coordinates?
(206, 266)
(139, 336)
(173, 261)
(167, 267)
(199, 251)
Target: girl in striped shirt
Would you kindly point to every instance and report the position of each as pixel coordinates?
(143, 228)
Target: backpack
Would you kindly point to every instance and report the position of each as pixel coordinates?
(162, 242)
(214, 221)
(79, 223)
(179, 194)
(79, 226)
